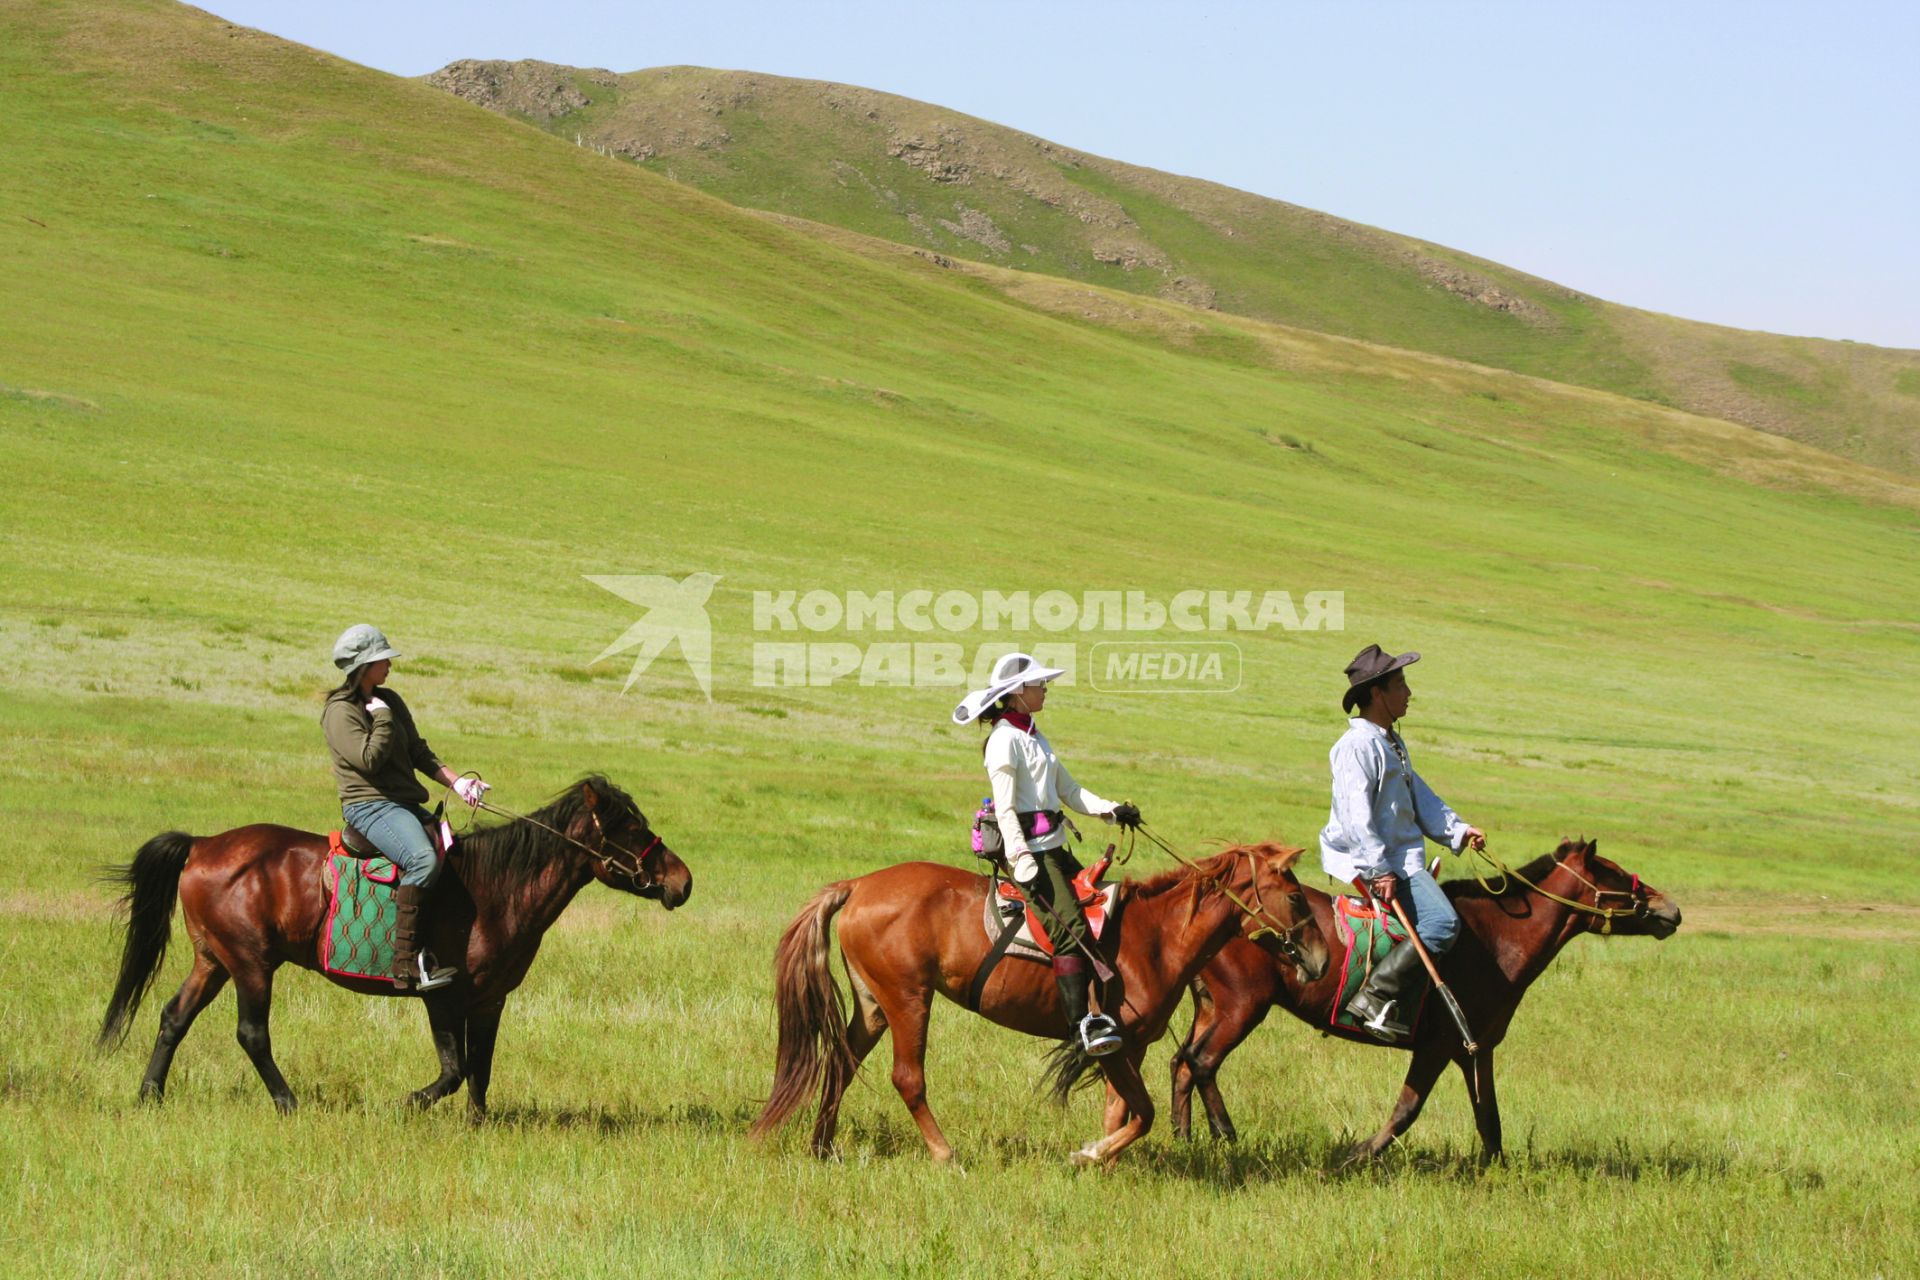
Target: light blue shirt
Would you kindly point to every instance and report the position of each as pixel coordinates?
(1383, 814)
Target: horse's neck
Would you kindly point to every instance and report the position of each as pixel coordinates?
(531, 906)
(1184, 944)
(1548, 926)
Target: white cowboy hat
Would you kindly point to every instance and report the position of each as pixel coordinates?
(1009, 673)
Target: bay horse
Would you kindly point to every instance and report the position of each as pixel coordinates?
(1506, 940)
(912, 930)
(255, 898)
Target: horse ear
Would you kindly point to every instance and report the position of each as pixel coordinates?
(1288, 856)
(587, 794)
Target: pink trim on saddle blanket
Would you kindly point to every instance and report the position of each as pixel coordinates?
(336, 851)
(1347, 909)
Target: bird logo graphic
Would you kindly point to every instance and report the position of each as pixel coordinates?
(674, 611)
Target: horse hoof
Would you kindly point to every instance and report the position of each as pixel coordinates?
(1087, 1157)
(286, 1106)
(152, 1094)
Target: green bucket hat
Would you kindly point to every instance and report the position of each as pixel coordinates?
(361, 645)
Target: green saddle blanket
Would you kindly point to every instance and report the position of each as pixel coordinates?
(1367, 935)
(358, 939)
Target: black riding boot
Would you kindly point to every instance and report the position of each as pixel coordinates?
(1385, 1006)
(1095, 1031)
(411, 970)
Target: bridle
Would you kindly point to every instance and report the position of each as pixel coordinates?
(1265, 925)
(1639, 901)
(634, 872)
(637, 869)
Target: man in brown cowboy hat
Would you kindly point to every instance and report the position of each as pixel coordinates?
(1383, 814)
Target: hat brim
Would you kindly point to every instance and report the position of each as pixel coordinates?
(975, 704)
(368, 659)
(1351, 700)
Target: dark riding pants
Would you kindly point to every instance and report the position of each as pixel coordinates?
(1057, 905)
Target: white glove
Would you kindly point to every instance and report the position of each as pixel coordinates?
(471, 790)
(374, 704)
(1026, 868)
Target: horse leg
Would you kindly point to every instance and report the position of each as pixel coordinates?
(1486, 1106)
(1129, 1091)
(255, 989)
(907, 1015)
(864, 1030)
(195, 994)
(1428, 1062)
(1218, 1029)
(449, 1037)
(483, 1029)
(1116, 1109)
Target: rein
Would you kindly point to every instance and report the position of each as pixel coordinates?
(1606, 915)
(1284, 936)
(634, 874)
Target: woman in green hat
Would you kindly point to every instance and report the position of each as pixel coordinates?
(376, 751)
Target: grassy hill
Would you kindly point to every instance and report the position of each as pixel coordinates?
(290, 344)
(960, 186)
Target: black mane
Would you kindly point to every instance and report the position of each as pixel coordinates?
(513, 852)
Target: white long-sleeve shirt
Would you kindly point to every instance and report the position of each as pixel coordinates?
(1027, 777)
(1383, 812)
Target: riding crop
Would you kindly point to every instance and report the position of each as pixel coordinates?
(1433, 971)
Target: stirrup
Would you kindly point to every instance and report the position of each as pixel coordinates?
(432, 976)
(1098, 1035)
(1376, 1017)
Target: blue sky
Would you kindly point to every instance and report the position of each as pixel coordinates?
(1753, 164)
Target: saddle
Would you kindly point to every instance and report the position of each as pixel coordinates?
(357, 941)
(349, 841)
(1367, 933)
(1014, 928)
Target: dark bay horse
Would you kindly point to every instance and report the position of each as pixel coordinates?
(912, 930)
(1506, 941)
(255, 898)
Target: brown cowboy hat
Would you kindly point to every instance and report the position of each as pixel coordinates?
(1371, 664)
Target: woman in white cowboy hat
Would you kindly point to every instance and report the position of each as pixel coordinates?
(1029, 786)
(376, 750)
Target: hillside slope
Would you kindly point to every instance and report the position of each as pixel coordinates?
(923, 175)
(290, 344)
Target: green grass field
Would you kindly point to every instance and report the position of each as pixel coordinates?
(290, 344)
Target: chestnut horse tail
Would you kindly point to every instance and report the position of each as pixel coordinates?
(813, 1021)
(152, 883)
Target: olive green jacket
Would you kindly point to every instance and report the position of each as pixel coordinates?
(375, 754)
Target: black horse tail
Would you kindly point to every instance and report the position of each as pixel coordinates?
(1069, 1065)
(152, 882)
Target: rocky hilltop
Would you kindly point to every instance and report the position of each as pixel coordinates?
(955, 185)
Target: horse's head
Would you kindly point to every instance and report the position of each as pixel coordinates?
(1281, 920)
(1634, 906)
(626, 854)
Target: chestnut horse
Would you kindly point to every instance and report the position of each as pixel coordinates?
(1507, 939)
(255, 898)
(915, 929)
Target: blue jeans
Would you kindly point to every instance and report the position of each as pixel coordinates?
(397, 831)
(1433, 916)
